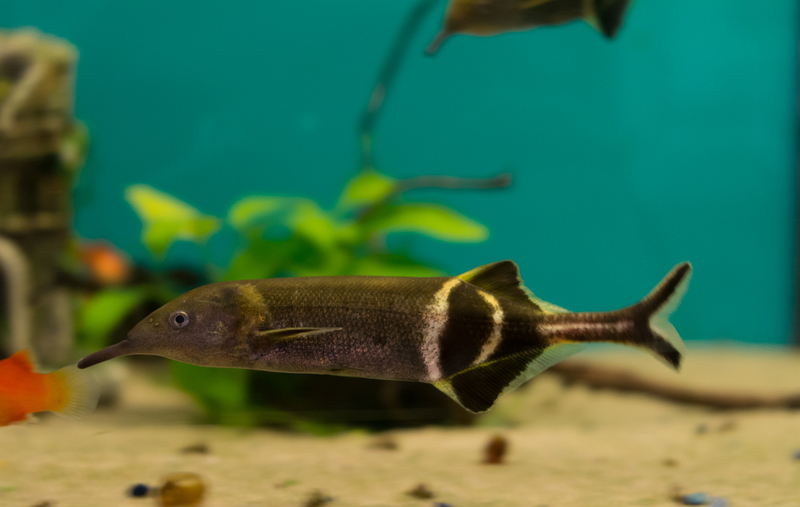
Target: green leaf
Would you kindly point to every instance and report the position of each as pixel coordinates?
(166, 219)
(318, 227)
(101, 314)
(368, 187)
(254, 211)
(260, 258)
(432, 220)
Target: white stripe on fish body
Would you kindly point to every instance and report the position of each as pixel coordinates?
(497, 331)
(590, 328)
(436, 319)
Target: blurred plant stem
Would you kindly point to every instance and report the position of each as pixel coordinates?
(387, 74)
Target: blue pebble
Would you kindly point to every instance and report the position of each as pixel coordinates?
(139, 490)
(718, 502)
(441, 504)
(695, 499)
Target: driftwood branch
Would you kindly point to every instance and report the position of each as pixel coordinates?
(598, 377)
(386, 76)
(450, 182)
(454, 182)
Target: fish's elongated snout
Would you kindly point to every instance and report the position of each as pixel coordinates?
(122, 348)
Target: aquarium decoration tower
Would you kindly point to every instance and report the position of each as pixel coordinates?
(37, 75)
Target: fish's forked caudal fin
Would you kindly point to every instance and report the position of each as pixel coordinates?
(660, 337)
(74, 392)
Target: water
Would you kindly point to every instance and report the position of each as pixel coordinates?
(674, 142)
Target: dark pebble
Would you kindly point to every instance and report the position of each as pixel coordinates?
(797, 454)
(199, 448)
(441, 504)
(386, 442)
(138, 490)
(422, 492)
(317, 499)
(495, 450)
(695, 499)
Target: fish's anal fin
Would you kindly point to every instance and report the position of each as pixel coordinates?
(501, 279)
(74, 392)
(290, 333)
(478, 388)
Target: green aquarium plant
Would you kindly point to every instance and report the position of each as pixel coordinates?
(280, 236)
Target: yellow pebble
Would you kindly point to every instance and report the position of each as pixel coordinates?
(181, 489)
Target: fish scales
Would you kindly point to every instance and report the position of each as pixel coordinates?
(474, 337)
(387, 324)
(383, 321)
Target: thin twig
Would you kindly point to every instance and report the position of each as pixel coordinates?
(450, 182)
(499, 181)
(387, 74)
(598, 377)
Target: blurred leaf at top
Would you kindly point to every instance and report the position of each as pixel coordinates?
(166, 219)
(368, 187)
(430, 219)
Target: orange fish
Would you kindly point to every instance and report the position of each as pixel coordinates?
(66, 392)
(107, 265)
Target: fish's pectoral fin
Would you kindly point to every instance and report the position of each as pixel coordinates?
(477, 388)
(290, 333)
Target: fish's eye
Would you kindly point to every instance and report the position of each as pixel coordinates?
(179, 319)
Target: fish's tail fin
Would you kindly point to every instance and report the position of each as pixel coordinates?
(659, 336)
(608, 16)
(75, 392)
(644, 325)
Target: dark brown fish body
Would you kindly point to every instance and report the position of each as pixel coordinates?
(473, 336)
(492, 17)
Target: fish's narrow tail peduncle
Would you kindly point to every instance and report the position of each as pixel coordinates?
(645, 325)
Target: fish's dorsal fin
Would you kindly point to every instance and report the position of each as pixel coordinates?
(22, 360)
(477, 388)
(501, 279)
(290, 333)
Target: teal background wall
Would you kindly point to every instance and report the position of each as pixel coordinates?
(674, 142)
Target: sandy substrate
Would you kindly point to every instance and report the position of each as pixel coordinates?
(568, 447)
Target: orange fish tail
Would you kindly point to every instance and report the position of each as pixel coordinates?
(73, 393)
